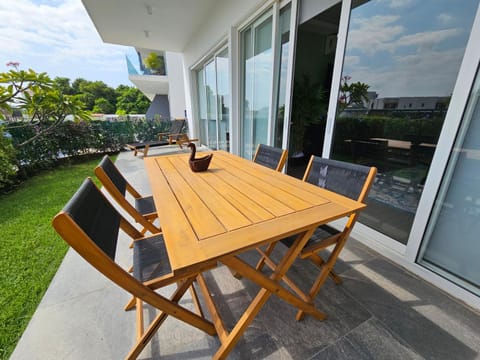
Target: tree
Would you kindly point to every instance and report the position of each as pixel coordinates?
(44, 103)
(103, 106)
(130, 100)
(155, 63)
(352, 94)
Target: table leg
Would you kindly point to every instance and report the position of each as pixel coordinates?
(269, 286)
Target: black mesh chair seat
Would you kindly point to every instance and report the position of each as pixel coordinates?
(322, 233)
(150, 258)
(145, 205)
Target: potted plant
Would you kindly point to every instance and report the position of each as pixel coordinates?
(155, 63)
(308, 107)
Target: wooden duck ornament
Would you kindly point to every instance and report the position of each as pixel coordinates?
(201, 163)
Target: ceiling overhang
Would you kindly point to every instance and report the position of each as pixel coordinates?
(153, 24)
(150, 85)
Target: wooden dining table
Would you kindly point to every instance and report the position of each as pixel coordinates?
(209, 218)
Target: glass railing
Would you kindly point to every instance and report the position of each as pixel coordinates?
(135, 67)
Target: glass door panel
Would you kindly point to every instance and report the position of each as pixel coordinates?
(211, 96)
(401, 62)
(202, 104)
(223, 95)
(257, 70)
(282, 76)
(451, 247)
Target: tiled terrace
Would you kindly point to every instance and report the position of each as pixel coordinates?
(380, 312)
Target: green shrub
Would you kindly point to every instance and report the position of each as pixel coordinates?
(8, 166)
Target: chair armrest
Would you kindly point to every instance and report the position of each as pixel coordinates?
(162, 135)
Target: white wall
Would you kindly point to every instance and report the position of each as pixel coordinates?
(176, 84)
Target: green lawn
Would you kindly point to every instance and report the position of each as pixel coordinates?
(30, 250)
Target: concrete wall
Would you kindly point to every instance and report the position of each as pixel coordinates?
(176, 84)
(159, 106)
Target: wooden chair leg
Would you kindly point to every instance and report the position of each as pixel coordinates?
(158, 321)
(317, 260)
(131, 304)
(139, 306)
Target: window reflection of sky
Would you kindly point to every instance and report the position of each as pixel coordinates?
(408, 47)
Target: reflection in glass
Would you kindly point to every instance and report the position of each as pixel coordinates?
(202, 104)
(211, 95)
(284, 50)
(223, 94)
(401, 63)
(451, 247)
(213, 98)
(257, 69)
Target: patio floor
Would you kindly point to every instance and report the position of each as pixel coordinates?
(380, 311)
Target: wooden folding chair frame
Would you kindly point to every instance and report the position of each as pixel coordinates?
(74, 235)
(311, 252)
(145, 220)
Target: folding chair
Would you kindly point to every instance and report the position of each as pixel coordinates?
(144, 211)
(176, 130)
(90, 225)
(350, 180)
(271, 157)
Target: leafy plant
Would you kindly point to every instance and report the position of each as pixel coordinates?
(154, 62)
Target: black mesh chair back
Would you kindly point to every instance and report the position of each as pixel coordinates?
(143, 210)
(271, 157)
(340, 177)
(115, 176)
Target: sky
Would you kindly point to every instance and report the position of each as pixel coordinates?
(408, 47)
(58, 37)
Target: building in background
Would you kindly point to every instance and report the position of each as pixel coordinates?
(159, 75)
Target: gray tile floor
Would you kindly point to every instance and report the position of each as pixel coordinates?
(379, 312)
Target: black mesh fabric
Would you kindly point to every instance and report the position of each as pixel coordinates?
(150, 258)
(268, 156)
(112, 172)
(341, 177)
(145, 205)
(95, 216)
(321, 233)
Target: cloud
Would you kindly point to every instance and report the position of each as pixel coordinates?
(445, 19)
(422, 74)
(55, 36)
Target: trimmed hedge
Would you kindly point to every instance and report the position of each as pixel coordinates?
(70, 139)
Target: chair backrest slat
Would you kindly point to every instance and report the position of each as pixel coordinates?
(95, 216)
(271, 157)
(338, 176)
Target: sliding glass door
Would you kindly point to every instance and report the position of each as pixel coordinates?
(257, 62)
(451, 247)
(213, 102)
(401, 62)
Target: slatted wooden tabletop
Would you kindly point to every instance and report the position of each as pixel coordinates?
(234, 206)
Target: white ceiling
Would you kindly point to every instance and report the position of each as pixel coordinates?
(170, 26)
(150, 84)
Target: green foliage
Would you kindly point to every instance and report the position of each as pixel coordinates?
(72, 139)
(103, 106)
(308, 108)
(8, 167)
(352, 94)
(20, 82)
(130, 100)
(30, 250)
(154, 62)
